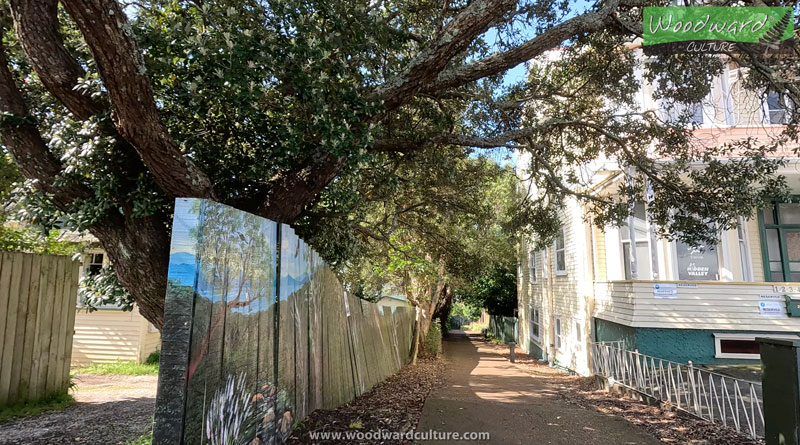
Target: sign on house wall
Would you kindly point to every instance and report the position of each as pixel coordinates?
(697, 263)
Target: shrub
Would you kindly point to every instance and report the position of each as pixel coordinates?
(433, 341)
(154, 358)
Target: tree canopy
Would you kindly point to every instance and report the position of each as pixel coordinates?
(318, 113)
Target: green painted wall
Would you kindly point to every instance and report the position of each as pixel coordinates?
(534, 350)
(679, 345)
(608, 331)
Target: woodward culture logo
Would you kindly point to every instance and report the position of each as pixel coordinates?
(718, 29)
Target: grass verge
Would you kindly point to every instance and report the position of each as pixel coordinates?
(34, 407)
(144, 439)
(119, 368)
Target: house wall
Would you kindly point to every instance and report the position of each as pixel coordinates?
(710, 305)
(110, 335)
(565, 297)
(678, 345)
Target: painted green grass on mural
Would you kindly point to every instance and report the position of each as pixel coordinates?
(35, 407)
(119, 368)
(753, 24)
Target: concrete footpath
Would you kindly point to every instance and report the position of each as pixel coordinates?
(486, 393)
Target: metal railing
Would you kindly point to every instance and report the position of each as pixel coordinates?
(709, 395)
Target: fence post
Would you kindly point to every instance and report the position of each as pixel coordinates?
(780, 363)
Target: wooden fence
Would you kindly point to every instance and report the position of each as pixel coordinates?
(38, 294)
(259, 332)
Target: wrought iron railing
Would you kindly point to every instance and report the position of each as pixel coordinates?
(709, 395)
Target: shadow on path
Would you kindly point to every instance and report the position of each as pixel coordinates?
(107, 410)
(486, 393)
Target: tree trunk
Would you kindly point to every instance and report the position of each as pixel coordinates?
(139, 250)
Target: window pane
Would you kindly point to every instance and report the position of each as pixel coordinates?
(794, 277)
(769, 214)
(777, 116)
(696, 263)
(643, 260)
(740, 231)
(739, 347)
(793, 245)
(624, 232)
(560, 241)
(776, 276)
(776, 108)
(746, 275)
(697, 113)
(626, 259)
(789, 213)
(773, 245)
(561, 262)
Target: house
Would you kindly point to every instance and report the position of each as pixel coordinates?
(393, 301)
(667, 299)
(109, 334)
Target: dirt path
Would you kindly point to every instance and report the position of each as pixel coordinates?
(486, 393)
(107, 410)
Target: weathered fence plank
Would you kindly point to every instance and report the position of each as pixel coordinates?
(38, 294)
(274, 335)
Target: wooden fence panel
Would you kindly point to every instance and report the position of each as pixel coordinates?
(309, 344)
(38, 294)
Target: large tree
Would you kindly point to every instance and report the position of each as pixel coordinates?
(280, 107)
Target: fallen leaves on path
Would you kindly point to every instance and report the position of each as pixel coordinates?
(664, 422)
(394, 405)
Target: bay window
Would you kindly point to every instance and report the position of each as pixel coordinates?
(779, 224)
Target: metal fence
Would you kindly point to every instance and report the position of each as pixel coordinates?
(711, 396)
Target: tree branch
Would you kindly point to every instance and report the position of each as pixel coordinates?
(287, 194)
(455, 38)
(36, 24)
(25, 145)
(106, 31)
(500, 62)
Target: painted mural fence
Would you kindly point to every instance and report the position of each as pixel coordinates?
(715, 397)
(504, 328)
(259, 332)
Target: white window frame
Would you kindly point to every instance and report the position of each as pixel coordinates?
(718, 336)
(559, 340)
(563, 250)
(90, 261)
(743, 243)
(535, 320)
(532, 266)
(578, 335)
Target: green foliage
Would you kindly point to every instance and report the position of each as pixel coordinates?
(252, 89)
(103, 288)
(29, 239)
(433, 340)
(466, 310)
(154, 358)
(119, 368)
(35, 407)
(496, 291)
(144, 439)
